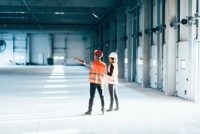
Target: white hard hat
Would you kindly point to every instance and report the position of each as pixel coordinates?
(113, 55)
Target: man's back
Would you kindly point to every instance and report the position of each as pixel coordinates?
(98, 72)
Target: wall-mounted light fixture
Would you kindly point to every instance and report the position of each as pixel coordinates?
(149, 31)
(138, 34)
(157, 29)
(174, 24)
(160, 28)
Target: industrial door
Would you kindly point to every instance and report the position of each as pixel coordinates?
(183, 70)
(59, 49)
(19, 48)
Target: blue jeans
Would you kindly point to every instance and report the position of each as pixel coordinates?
(113, 95)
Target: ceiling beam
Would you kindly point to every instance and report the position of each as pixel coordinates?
(46, 27)
(50, 10)
(61, 3)
(32, 14)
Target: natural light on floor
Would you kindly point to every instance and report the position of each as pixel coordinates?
(59, 80)
(65, 131)
(55, 92)
(58, 70)
(56, 86)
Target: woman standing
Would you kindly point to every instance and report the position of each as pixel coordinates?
(112, 75)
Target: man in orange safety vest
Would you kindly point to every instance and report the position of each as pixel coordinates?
(97, 78)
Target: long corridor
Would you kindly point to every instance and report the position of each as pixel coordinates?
(52, 100)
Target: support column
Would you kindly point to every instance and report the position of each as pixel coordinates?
(28, 49)
(51, 42)
(121, 42)
(66, 50)
(193, 56)
(147, 41)
(131, 49)
(113, 35)
(106, 42)
(160, 44)
(169, 86)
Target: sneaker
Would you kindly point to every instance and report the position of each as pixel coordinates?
(102, 110)
(109, 110)
(88, 113)
(116, 109)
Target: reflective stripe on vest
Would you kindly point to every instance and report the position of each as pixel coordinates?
(91, 73)
(114, 78)
(98, 72)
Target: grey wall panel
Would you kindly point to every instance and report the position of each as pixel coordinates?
(87, 51)
(59, 40)
(75, 48)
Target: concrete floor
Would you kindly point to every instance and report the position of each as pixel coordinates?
(52, 100)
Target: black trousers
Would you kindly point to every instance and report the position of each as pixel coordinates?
(113, 95)
(93, 88)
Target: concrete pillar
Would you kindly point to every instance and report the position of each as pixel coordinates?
(121, 42)
(28, 49)
(51, 42)
(197, 100)
(146, 7)
(169, 86)
(160, 44)
(91, 46)
(14, 45)
(131, 49)
(193, 41)
(106, 42)
(66, 50)
(113, 35)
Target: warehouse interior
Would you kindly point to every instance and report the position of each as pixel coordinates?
(43, 90)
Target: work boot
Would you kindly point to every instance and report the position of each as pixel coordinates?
(116, 109)
(88, 112)
(109, 110)
(102, 110)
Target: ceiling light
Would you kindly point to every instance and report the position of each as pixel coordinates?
(59, 12)
(12, 12)
(95, 16)
(20, 12)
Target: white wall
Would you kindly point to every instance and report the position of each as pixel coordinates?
(68, 46)
(39, 48)
(7, 55)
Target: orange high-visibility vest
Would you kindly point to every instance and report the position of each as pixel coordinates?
(98, 72)
(114, 78)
